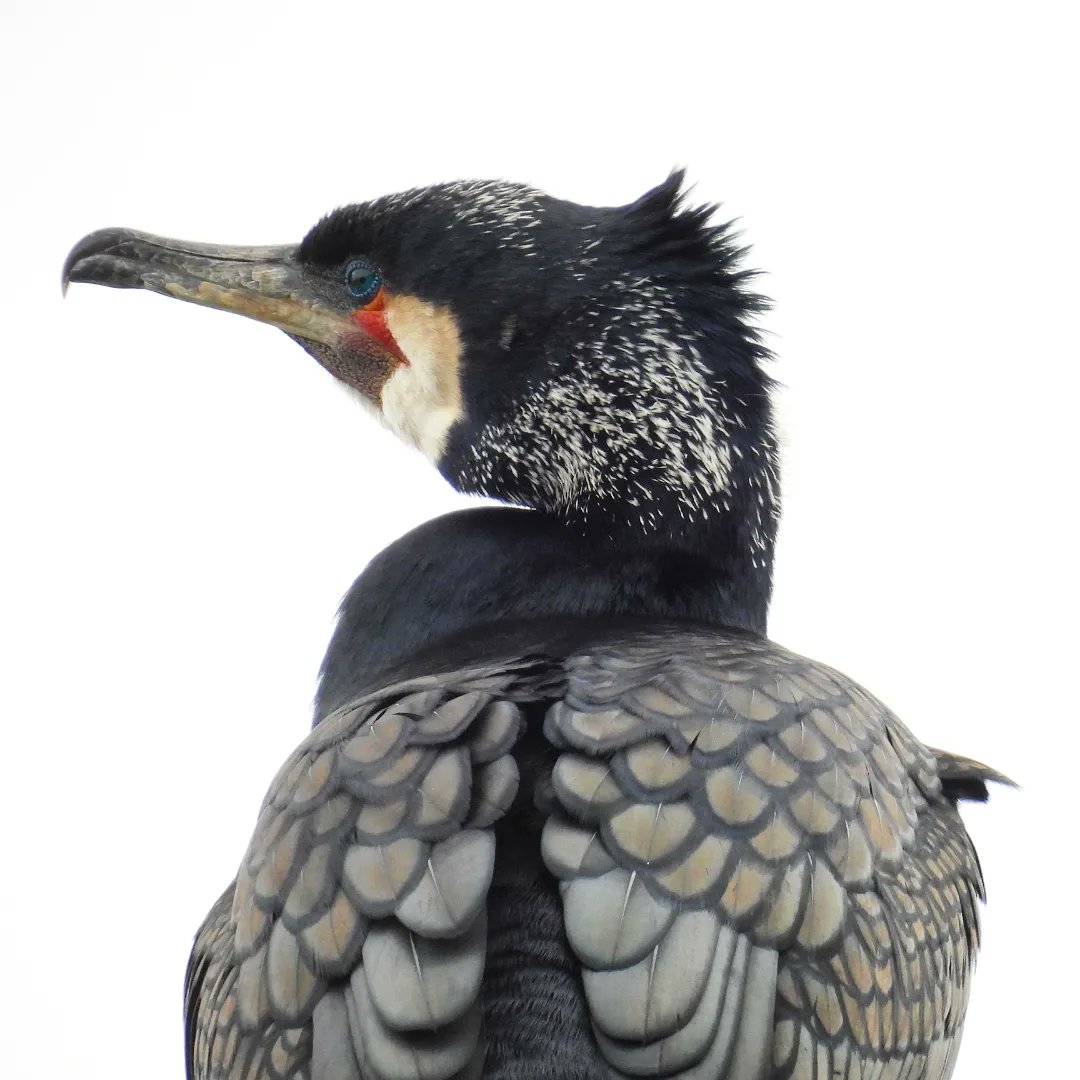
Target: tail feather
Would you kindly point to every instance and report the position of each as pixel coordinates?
(964, 778)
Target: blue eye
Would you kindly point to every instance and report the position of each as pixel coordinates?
(362, 279)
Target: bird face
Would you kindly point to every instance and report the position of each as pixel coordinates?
(559, 356)
(399, 352)
(377, 293)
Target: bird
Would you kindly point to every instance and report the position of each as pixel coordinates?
(565, 810)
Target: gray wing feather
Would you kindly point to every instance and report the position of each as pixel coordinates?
(353, 942)
(332, 1053)
(649, 999)
(422, 984)
(725, 780)
(759, 874)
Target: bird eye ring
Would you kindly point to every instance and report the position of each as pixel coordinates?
(362, 280)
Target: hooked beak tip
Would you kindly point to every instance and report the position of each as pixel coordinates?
(90, 254)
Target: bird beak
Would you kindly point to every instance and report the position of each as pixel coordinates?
(263, 283)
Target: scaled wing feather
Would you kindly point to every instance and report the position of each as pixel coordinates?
(353, 942)
(722, 791)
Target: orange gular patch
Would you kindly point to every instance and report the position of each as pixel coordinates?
(371, 318)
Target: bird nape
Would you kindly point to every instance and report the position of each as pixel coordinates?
(565, 811)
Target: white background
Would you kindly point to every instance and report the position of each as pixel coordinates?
(186, 495)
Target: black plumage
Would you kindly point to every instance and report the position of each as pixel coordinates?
(565, 811)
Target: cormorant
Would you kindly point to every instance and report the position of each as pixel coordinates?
(565, 811)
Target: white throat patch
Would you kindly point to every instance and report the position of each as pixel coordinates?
(421, 400)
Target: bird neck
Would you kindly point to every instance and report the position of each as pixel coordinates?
(640, 426)
(492, 566)
(711, 562)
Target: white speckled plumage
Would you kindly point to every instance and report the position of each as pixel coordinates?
(634, 419)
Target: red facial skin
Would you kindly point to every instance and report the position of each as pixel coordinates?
(367, 356)
(371, 318)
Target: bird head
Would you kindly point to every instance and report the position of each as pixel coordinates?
(599, 364)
